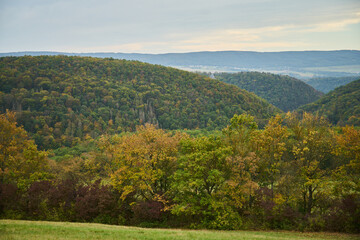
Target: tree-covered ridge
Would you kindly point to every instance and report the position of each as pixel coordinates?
(341, 106)
(61, 99)
(284, 92)
(326, 84)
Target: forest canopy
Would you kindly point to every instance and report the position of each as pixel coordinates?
(284, 92)
(340, 106)
(297, 173)
(61, 100)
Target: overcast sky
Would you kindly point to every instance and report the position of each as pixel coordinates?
(160, 26)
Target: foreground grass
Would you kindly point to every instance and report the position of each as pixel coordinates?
(15, 229)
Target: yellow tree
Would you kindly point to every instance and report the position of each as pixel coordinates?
(11, 138)
(312, 149)
(100, 163)
(271, 145)
(240, 133)
(348, 149)
(20, 161)
(144, 162)
(240, 136)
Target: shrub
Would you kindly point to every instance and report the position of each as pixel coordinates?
(35, 200)
(148, 212)
(344, 215)
(96, 203)
(9, 201)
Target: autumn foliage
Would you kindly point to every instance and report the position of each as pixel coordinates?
(297, 173)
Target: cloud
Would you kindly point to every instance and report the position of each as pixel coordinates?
(334, 26)
(271, 38)
(262, 38)
(255, 46)
(160, 26)
(129, 47)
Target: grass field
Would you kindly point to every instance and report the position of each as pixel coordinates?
(15, 229)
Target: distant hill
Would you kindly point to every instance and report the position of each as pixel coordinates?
(341, 106)
(326, 84)
(304, 64)
(61, 99)
(284, 92)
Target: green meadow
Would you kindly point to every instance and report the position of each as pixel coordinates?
(16, 229)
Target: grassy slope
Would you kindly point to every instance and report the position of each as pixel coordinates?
(15, 229)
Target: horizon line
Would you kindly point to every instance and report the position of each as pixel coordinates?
(217, 51)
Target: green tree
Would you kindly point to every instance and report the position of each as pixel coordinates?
(240, 136)
(240, 133)
(199, 184)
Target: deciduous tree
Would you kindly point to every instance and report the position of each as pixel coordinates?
(144, 162)
(20, 161)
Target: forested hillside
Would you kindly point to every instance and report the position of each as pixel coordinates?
(61, 99)
(341, 106)
(327, 84)
(284, 92)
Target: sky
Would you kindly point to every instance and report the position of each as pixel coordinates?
(163, 26)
